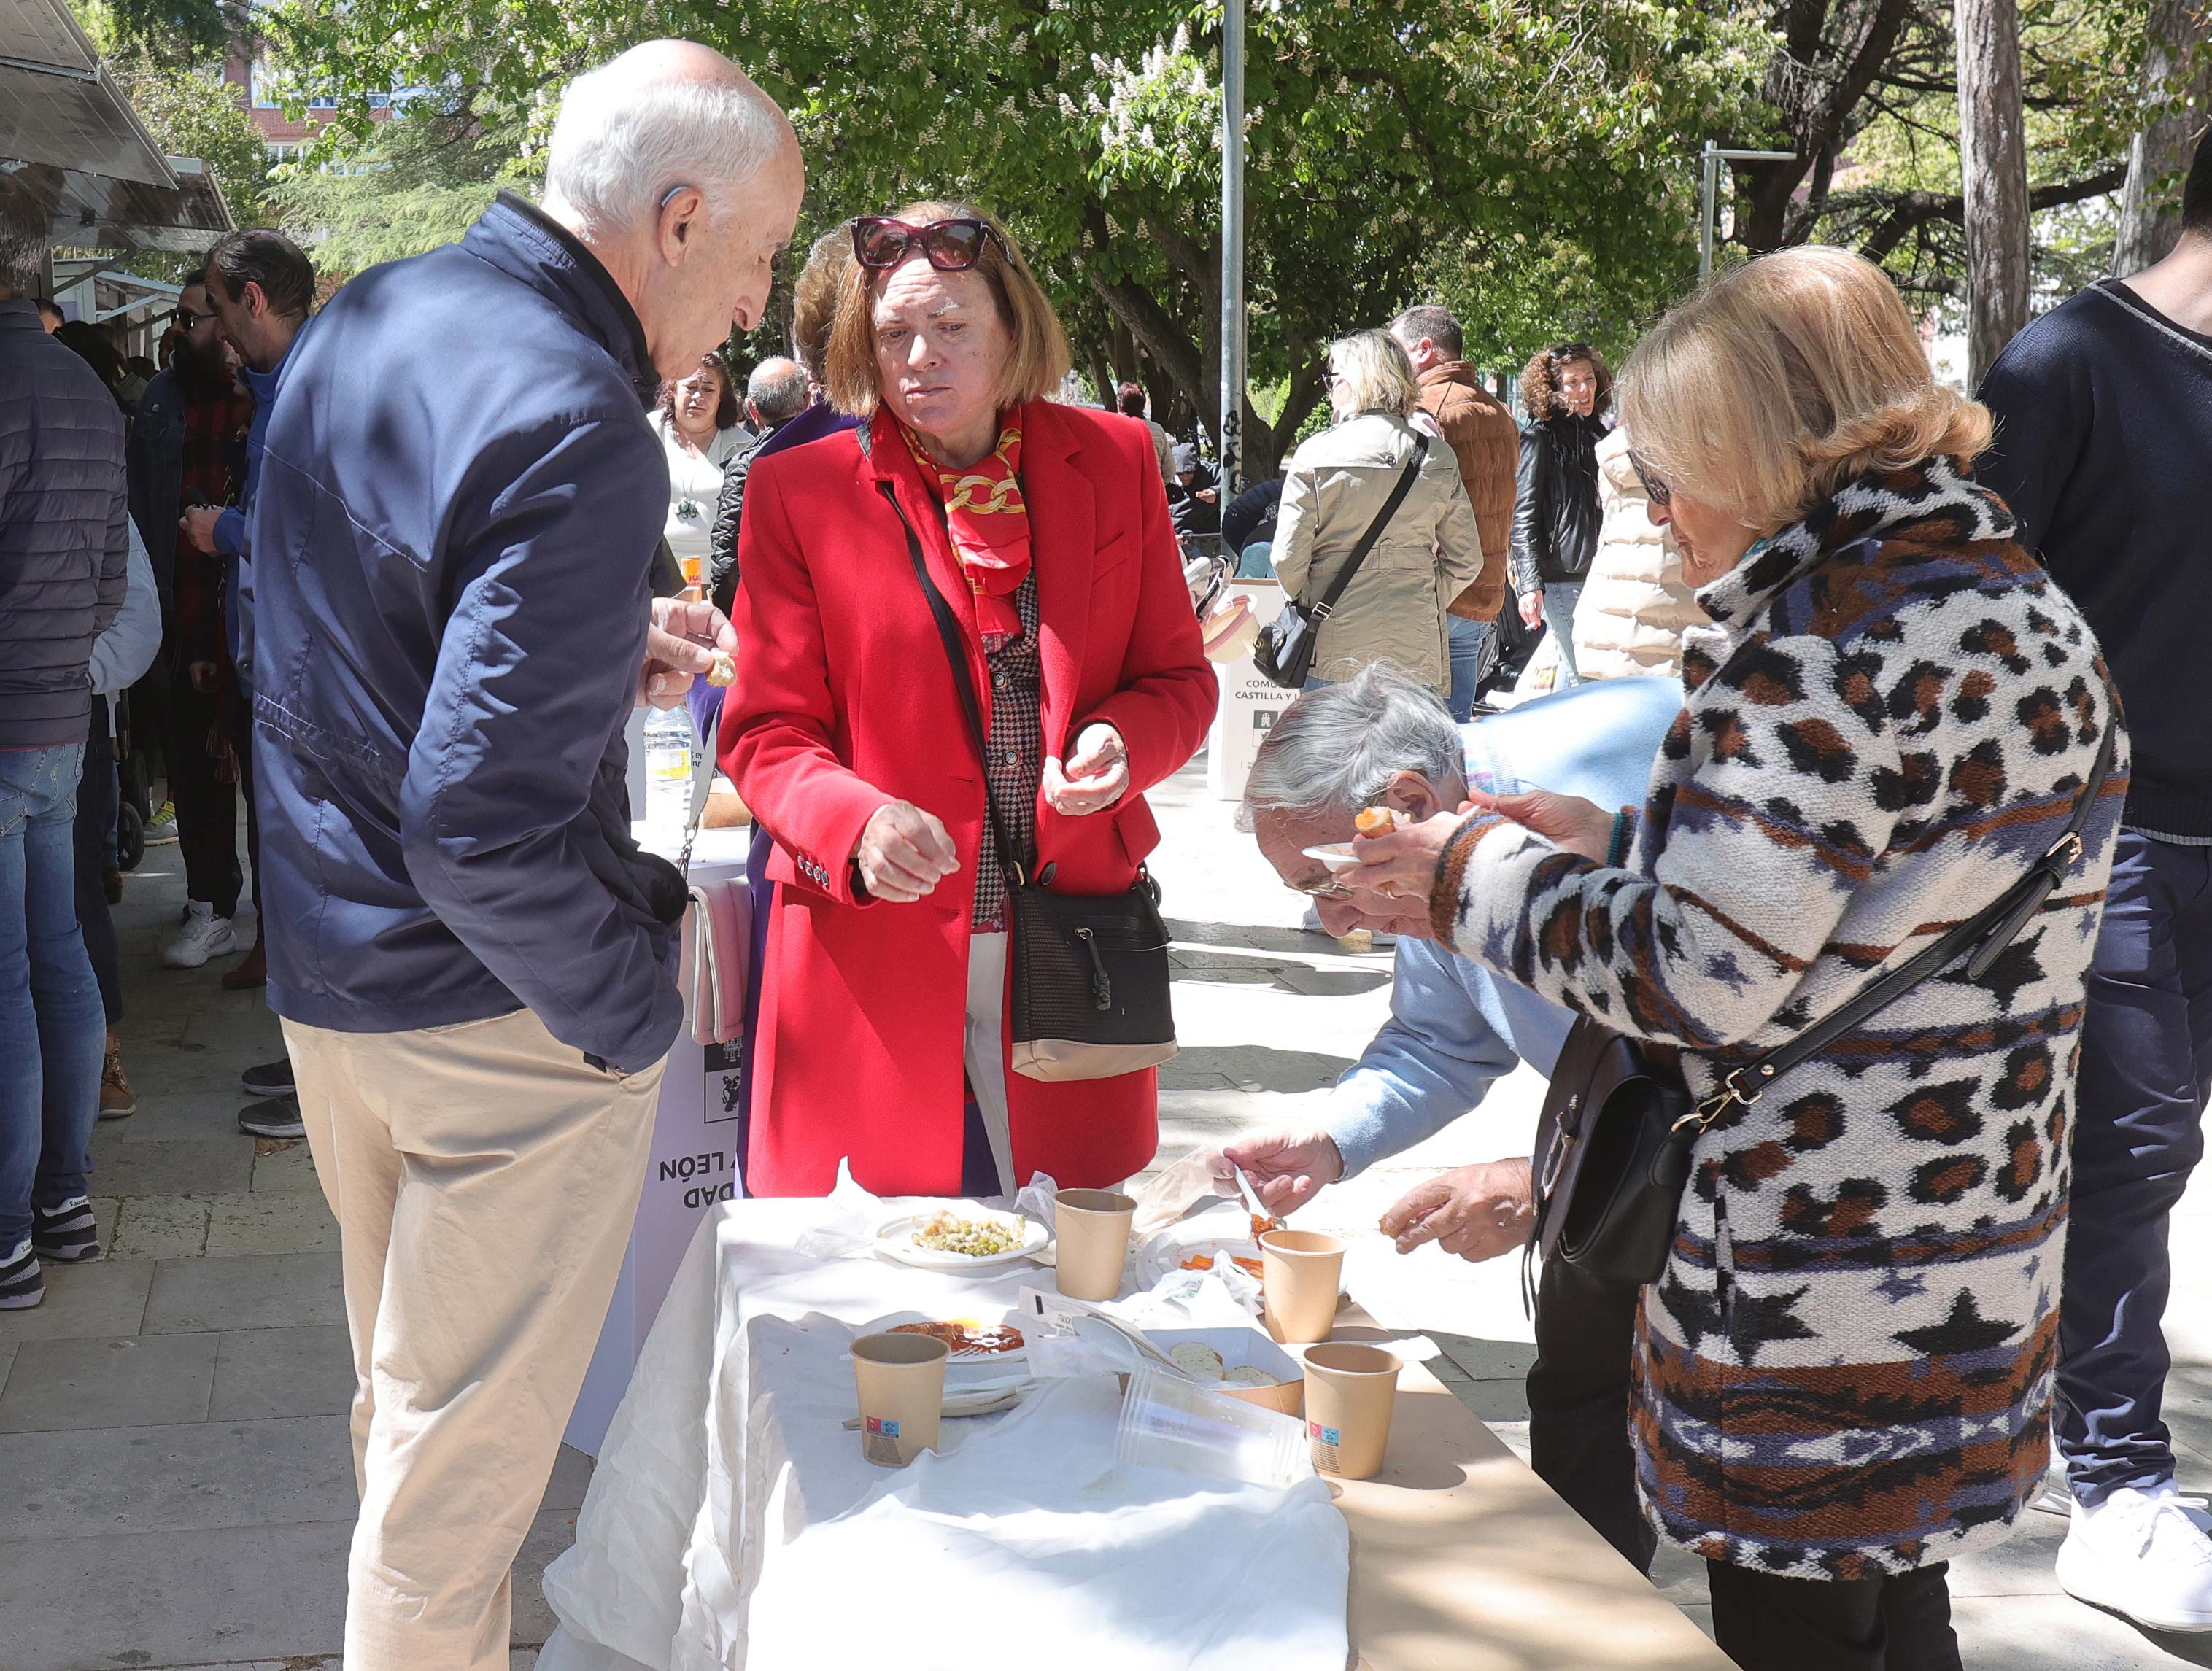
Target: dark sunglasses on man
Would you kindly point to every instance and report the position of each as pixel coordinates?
(953, 246)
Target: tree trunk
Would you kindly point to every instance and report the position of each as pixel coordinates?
(2175, 73)
(1993, 157)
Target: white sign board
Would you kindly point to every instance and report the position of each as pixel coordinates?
(1248, 704)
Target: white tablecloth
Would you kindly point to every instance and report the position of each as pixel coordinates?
(728, 1453)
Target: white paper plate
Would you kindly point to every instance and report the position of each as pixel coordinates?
(966, 1360)
(1337, 856)
(895, 1240)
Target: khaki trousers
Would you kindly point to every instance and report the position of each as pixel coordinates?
(484, 1178)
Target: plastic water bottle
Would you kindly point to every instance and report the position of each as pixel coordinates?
(670, 764)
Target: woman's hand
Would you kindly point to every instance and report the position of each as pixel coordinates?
(904, 853)
(1564, 821)
(1532, 609)
(1095, 776)
(1397, 871)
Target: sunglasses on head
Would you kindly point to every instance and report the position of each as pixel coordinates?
(1661, 495)
(953, 246)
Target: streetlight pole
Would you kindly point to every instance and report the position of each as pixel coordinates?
(1709, 183)
(1232, 248)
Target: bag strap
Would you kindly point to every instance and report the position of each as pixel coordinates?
(1994, 927)
(955, 642)
(1321, 611)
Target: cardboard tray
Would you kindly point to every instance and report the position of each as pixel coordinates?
(1241, 1348)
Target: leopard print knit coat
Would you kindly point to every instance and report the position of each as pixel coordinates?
(1846, 1370)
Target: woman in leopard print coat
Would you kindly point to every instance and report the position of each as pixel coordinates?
(1845, 1374)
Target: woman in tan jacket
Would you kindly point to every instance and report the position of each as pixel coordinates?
(1336, 485)
(1635, 604)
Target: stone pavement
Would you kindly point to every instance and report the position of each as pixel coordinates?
(175, 1486)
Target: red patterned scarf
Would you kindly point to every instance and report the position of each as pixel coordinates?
(989, 523)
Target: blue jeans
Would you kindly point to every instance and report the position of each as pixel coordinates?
(1560, 597)
(1470, 643)
(52, 1028)
(2146, 1072)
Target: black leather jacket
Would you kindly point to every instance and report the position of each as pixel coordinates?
(1555, 510)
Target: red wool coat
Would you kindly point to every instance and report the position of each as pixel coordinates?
(844, 701)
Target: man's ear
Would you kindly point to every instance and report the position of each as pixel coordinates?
(1410, 793)
(679, 215)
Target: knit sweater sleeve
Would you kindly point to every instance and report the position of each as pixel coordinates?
(1744, 862)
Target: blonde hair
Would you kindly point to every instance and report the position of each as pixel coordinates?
(1775, 384)
(1035, 363)
(1372, 368)
(814, 297)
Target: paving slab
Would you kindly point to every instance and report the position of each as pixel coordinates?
(551, 1536)
(161, 1227)
(262, 1290)
(104, 1296)
(171, 1166)
(164, 1599)
(189, 1478)
(261, 1373)
(270, 1221)
(286, 1165)
(2055, 1632)
(7, 1358)
(571, 1477)
(104, 1211)
(120, 1381)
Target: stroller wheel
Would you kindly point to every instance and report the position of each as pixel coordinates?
(130, 837)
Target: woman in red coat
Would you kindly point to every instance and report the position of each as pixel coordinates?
(881, 1036)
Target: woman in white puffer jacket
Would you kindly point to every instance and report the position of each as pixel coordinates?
(1635, 604)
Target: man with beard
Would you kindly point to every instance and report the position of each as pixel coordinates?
(188, 448)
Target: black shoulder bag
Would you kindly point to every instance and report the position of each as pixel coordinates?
(1089, 994)
(1612, 1148)
(1285, 653)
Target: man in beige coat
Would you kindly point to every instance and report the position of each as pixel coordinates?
(1487, 445)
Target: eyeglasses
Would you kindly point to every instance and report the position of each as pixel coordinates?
(1661, 495)
(953, 246)
(185, 320)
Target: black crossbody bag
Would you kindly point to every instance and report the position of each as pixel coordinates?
(1612, 1148)
(1285, 653)
(1089, 994)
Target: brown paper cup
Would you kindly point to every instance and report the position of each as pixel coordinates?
(1091, 1233)
(901, 1380)
(1300, 1273)
(1349, 1393)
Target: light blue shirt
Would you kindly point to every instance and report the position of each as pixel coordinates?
(1455, 1027)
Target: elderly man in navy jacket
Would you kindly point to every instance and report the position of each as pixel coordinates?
(457, 509)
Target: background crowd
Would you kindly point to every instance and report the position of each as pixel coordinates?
(1892, 629)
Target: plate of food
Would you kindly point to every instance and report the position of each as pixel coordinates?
(973, 1340)
(970, 1238)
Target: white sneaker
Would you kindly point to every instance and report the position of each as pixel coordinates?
(204, 935)
(2142, 1554)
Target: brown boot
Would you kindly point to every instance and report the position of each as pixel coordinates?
(253, 972)
(116, 1100)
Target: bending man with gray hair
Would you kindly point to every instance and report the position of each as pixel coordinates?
(1382, 739)
(472, 959)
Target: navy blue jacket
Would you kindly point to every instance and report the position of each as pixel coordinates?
(64, 548)
(458, 504)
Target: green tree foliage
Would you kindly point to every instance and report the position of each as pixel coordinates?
(423, 177)
(1393, 147)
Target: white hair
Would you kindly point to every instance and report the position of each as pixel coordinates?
(1335, 749)
(1373, 375)
(625, 139)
